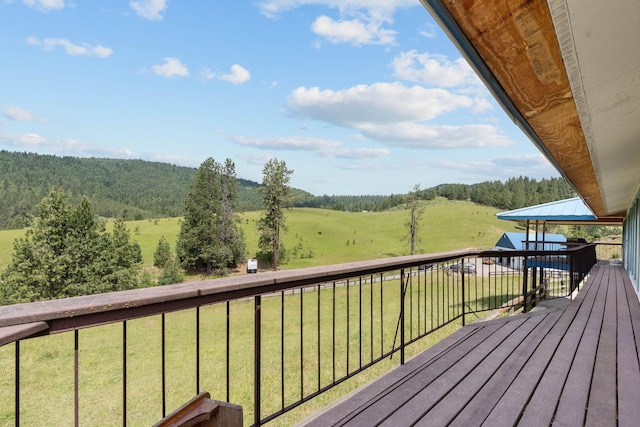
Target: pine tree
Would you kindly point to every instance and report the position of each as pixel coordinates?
(276, 198)
(67, 253)
(172, 273)
(122, 260)
(162, 253)
(210, 238)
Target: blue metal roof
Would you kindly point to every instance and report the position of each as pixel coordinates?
(562, 210)
(515, 240)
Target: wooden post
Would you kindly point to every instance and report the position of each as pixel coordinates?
(402, 294)
(525, 271)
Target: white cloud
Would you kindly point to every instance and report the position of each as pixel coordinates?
(396, 115)
(207, 74)
(524, 160)
(481, 105)
(238, 75)
(377, 103)
(72, 147)
(84, 49)
(168, 158)
(149, 9)
(293, 143)
(272, 8)
(536, 166)
(356, 153)
(428, 136)
(66, 146)
(256, 158)
(428, 31)
(45, 5)
(359, 22)
(23, 140)
(172, 67)
(21, 115)
(356, 32)
(433, 70)
(322, 147)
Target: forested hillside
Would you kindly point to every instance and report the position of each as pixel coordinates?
(514, 193)
(137, 189)
(129, 189)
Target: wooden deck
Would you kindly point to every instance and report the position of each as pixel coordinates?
(570, 366)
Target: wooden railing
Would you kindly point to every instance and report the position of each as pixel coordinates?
(269, 342)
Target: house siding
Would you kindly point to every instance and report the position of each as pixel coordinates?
(631, 240)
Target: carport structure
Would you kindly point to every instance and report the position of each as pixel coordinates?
(562, 212)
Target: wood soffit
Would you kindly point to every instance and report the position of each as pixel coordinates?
(517, 41)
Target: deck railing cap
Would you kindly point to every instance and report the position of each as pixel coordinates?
(244, 285)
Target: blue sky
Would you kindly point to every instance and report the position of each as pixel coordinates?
(363, 97)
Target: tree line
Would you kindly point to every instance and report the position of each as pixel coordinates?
(515, 193)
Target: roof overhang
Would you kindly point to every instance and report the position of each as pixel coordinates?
(567, 73)
(570, 211)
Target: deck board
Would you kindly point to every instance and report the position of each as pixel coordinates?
(541, 405)
(496, 387)
(507, 411)
(447, 409)
(444, 372)
(367, 399)
(575, 394)
(429, 397)
(574, 365)
(628, 374)
(602, 398)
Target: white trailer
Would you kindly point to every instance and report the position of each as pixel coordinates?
(252, 265)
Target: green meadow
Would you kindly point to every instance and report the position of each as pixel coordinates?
(47, 363)
(323, 237)
(314, 237)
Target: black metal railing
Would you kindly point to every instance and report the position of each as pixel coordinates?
(271, 342)
(607, 251)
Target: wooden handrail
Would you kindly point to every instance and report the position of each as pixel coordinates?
(69, 314)
(93, 310)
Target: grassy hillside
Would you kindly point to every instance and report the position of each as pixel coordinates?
(321, 237)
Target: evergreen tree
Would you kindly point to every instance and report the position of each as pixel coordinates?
(172, 273)
(276, 198)
(210, 238)
(518, 198)
(228, 232)
(67, 253)
(122, 260)
(162, 253)
(85, 245)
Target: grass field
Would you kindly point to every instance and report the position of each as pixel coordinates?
(324, 237)
(315, 237)
(47, 363)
